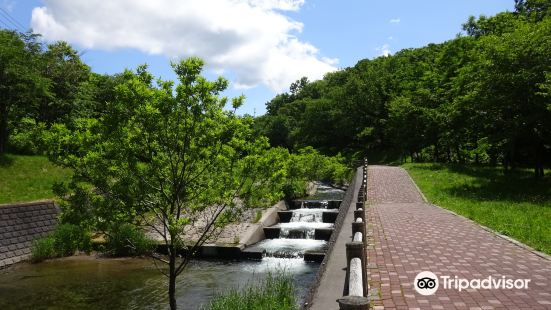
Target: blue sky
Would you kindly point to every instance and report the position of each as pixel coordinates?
(259, 45)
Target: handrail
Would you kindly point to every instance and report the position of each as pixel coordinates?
(356, 285)
(358, 237)
(355, 282)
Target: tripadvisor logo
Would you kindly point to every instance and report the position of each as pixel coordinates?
(427, 283)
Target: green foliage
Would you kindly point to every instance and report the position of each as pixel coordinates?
(511, 203)
(65, 240)
(43, 249)
(481, 98)
(257, 216)
(156, 150)
(535, 9)
(62, 66)
(128, 240)
(291, 173)
(310, 165)
(44, 84)
(27, 178)
(26, 137)
(21, 84)
(274, 292)
(167, 155)
(69, 238)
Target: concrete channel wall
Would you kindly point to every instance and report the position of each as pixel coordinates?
(330, 272)
(22, 223)
(356, 286)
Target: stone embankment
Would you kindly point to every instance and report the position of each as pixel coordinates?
(22, 223)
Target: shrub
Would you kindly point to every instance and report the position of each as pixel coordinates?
(309, 165)
(65, 240)
(294, 189)
(128, 240)
(42, 249)
(275, 292)
(68, 238)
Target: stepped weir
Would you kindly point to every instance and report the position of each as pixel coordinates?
(304, 229)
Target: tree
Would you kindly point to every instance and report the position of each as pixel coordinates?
(20, 81)
(536, 9)
(169, 157)
(512, 67)
(62, 65)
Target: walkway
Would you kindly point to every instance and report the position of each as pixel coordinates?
(413, 236)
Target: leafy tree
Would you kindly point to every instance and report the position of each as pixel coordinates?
(169, 157)
(61, 64)
(95, 93)
(20, 81)
(536, 9)
(510, 70)
(481, 98)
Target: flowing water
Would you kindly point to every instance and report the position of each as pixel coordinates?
(293, 248)
(313, 215)
(298, 235)
(89, 283)
(325, 192)
(300, 230)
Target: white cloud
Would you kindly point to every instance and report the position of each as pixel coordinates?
(284, 5)
(384, 50)
(394, 21)
(250, 38)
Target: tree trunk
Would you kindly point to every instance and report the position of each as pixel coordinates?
(539, 172)
(512, 158)
(436, 153)
(493, 159)
(3, 126)
(476, 157)
(458, 152)
(172, 278)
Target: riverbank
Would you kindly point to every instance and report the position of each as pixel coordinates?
(28, 178)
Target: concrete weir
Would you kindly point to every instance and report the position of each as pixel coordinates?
(297, 229)
(302, 231)
(323, 204)
(327, 216)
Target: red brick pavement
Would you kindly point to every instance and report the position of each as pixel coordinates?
(410, 236)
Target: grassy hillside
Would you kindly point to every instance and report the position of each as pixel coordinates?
(513, 204)
(28, 178)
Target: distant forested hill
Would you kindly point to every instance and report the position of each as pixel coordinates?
(482, 97)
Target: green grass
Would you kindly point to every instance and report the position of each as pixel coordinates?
(274, 292)
(514, 204)
(28, 178)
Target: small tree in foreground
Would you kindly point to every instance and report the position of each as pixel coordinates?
(167, 157)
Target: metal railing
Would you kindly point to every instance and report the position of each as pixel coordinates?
(356, 285)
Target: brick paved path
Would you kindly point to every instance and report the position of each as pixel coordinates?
(411, 236)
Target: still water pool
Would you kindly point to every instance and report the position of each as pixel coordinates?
(90, 283)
